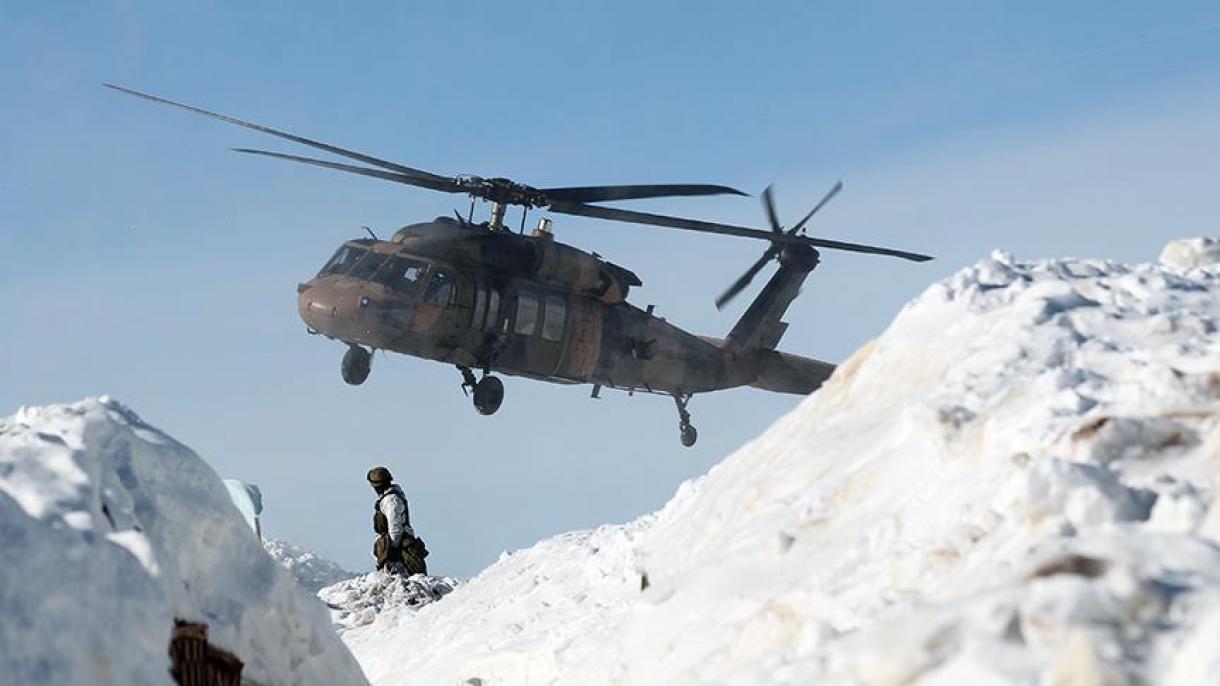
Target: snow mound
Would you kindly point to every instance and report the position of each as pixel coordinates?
(358, 601)
(1191, 253)
(1016, 483)
(310, 569)
(111, 530)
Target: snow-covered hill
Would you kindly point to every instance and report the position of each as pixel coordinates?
(110, 530)
(1016, 483)
(310, 569)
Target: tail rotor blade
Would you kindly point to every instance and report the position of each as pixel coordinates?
(769, 203)
(869, 249)
(745, 279)
(822, 203)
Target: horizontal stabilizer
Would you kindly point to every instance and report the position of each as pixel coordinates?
(787, 373)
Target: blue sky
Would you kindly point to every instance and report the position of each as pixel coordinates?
(147, 262)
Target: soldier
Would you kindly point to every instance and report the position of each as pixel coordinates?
(397, 549)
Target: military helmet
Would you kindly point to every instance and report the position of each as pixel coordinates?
(380, 476)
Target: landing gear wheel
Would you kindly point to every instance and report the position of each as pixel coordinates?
(488, 394)
(689, 435)
(356, 365)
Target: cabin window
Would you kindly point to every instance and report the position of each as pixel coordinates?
(368, 265)
(527, 313)
(493, 308)
(440, 288)
(480, 307)
(342, 260)
(403, 274)
(552, 325)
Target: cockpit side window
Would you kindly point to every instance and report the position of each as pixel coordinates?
(368, 265)
(403, 274)
(342, 260)
(441, 288)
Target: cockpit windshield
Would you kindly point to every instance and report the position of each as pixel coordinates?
(342, 260)
(368, 265)
(403, 274)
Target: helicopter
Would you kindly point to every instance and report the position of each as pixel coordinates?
(486, 299)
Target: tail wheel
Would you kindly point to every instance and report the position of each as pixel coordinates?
(357, 362)
(689, 435)
(488, 394)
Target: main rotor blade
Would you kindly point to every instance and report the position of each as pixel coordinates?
(822, 203)
(615, 214)
(634, 192)
(870, 249)
(442, 184)
(745, 279)
(342, 152)
(769, 204)
(634, 217)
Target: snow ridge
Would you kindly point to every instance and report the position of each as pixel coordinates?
(1015, 483)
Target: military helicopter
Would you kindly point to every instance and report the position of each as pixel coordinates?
(484, 298)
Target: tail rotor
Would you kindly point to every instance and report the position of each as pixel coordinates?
(773, 251)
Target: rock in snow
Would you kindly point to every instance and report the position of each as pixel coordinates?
(110, 531)
(1016, 483)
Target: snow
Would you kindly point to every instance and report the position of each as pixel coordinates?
(111, 530)
(1014, 484)
(310, 569)
(357, 601)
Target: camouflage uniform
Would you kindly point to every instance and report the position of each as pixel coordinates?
(397, 549)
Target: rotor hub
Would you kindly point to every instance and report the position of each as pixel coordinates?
(502, 190)
(800, 256)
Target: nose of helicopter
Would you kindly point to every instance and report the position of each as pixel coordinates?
(350, 312)
(327, 309)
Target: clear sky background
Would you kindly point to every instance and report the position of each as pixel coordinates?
(143, 260)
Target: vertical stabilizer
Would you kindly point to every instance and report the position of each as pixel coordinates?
(760, 327)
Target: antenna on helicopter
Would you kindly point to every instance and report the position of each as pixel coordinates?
(371, 233)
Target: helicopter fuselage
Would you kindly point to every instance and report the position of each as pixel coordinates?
(458, 293)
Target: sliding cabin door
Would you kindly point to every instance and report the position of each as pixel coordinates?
(536, 327)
